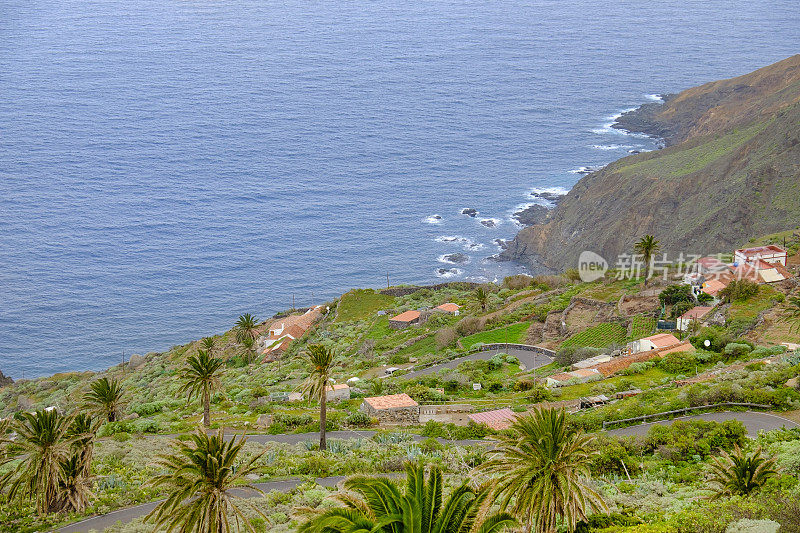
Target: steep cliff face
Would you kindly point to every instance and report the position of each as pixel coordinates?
(730, 171)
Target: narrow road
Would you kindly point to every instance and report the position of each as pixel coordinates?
(753, 422)
(531, 360)
(123, 516)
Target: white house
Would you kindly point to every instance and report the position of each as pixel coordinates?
(696, 313)
(769, 253)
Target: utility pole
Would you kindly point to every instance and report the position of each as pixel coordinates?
(123, 361)
(387, 280)
(292, 301)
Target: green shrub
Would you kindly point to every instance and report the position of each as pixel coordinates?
(738, 290)
(676, 293)
(737, 349)
(358, 419)
(678, 363)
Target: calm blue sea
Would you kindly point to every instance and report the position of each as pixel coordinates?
(167, 165)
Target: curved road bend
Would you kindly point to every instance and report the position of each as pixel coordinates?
(123, 516)
(753, 421)
(531, 360)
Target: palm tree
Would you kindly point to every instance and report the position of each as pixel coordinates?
(41, 447)
(75, 487)
(543, 465)
(481, 297)
(246, 327)
(249, 352)
(199, 477)
(384, 508)
(647, 247)
(105, 397)
(201, 377)
(377, 387)
(208, 344)
(83, 431)
(317, 382)
(792, 313)
(740, 473)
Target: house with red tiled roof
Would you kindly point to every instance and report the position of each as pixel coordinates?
(451, 308)
(405, 319)
(394, 408)
(283, 331)
(498, 419)
(653, 342)
(694, 314)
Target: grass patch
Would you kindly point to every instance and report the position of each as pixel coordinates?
(361, 303)
(750, 308)
(515, 333)
(682, 162)
(599, 336)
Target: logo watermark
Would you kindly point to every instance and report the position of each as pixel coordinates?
(591, 266)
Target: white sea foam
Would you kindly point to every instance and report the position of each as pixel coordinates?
(468, 244)
(490, 222)
(433, 219)
(654, 97)
(448, 272)
(612, 146)
(561, 191)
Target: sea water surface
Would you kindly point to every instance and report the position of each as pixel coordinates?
(167, 165)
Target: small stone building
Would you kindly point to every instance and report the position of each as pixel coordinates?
(457, 414)
(405, 319)
(337, 392)
(393, 409)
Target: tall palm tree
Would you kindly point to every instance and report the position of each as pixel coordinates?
(740, 473)
(482, 297)
(105, 397)
(317, 382)
(792, 313)
(384, 508)
(198, 479)
(41, 446)
(201, 377)
(543, 466)
(208, 343)
(647, 247)
(246, 327)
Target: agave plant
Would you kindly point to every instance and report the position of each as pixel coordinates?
(105, 397)
(198, 479)
(740, 473)
(379, 505)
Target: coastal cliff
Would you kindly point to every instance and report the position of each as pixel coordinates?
(730, 171)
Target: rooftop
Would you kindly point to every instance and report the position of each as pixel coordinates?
(407, 316)
(392, 401)
(662, 340)
(449, 307)
(696, 313)
(769, 249)
(338, 386)
(497, 419)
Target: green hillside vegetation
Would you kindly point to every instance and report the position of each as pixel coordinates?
(153, 405)
(729, 174)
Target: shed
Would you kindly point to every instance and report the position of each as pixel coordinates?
(405, 319)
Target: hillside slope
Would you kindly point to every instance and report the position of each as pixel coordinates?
(731, 171)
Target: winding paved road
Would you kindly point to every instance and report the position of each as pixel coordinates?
(531, 360)
(753, 421)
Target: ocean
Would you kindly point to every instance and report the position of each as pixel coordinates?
(168, 165)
